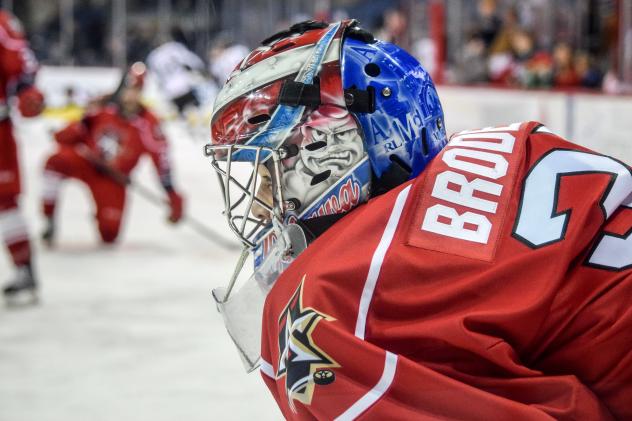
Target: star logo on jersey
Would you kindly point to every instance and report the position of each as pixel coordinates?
(109, 144)
(301, 361)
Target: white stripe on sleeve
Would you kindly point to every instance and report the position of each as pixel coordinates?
(373, 395)
(266, 368)
(376, 262)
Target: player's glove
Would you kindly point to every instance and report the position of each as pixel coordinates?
(176, 204)
(30, 101)
(71, 134)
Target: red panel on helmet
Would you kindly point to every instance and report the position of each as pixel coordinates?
(233, 124)
(284, 44)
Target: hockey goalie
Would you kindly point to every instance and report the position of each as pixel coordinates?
(404, 275)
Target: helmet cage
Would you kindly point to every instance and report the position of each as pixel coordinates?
(238, 209)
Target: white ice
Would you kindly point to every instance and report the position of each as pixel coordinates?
(128, 332)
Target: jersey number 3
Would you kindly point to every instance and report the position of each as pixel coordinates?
(538, 223)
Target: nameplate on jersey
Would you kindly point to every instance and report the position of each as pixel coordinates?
(466, 193)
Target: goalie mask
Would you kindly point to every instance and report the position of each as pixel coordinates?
(309, 126)
(318, 112)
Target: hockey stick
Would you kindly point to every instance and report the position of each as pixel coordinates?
(194, 223)
(153, 198)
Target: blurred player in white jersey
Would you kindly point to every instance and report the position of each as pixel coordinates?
(178, 70)
(224, 56)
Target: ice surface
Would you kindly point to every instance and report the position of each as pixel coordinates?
(128, 332)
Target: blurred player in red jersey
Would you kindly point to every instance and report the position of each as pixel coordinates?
(17, 77)
(102, 149)
(484, 278)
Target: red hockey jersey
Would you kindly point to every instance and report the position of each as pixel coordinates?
(17, 66)
(497, 285)
(17, 61)
(120, 141)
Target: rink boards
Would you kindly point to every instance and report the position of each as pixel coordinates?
(591, 119)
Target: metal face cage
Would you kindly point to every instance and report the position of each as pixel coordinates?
(239, 182)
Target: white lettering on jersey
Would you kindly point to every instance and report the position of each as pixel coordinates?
(498, 170)
(613, 252)
(506, 143)
(470, 225)
(539, 224)
(457, 228)
(465, 195)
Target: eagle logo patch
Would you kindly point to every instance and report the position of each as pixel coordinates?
(301, 361)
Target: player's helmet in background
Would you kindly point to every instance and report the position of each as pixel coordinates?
(135, 76)
(333, 114)
(132, 78)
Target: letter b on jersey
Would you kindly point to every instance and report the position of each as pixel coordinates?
(469, 226)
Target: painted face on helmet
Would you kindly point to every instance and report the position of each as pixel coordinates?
(330, 145)
(331, 142)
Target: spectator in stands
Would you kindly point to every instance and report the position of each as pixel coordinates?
(500, 47)
(140, 40)
(589, 75)
(394, 28)
(531, 68)
(489, 21)
(564, 75)
(510, 25)
(472, 61)
(90, 31)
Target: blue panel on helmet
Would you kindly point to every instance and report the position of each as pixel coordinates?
(406, 105)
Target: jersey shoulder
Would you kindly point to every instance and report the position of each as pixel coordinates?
(520, 182)
(11, 26)
(460, 200)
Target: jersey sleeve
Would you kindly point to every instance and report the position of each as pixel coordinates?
(17, 60)
(372, 383)
(155, 145)
(594, 341)
(72, 134)
(79, 131)
(595, 345)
